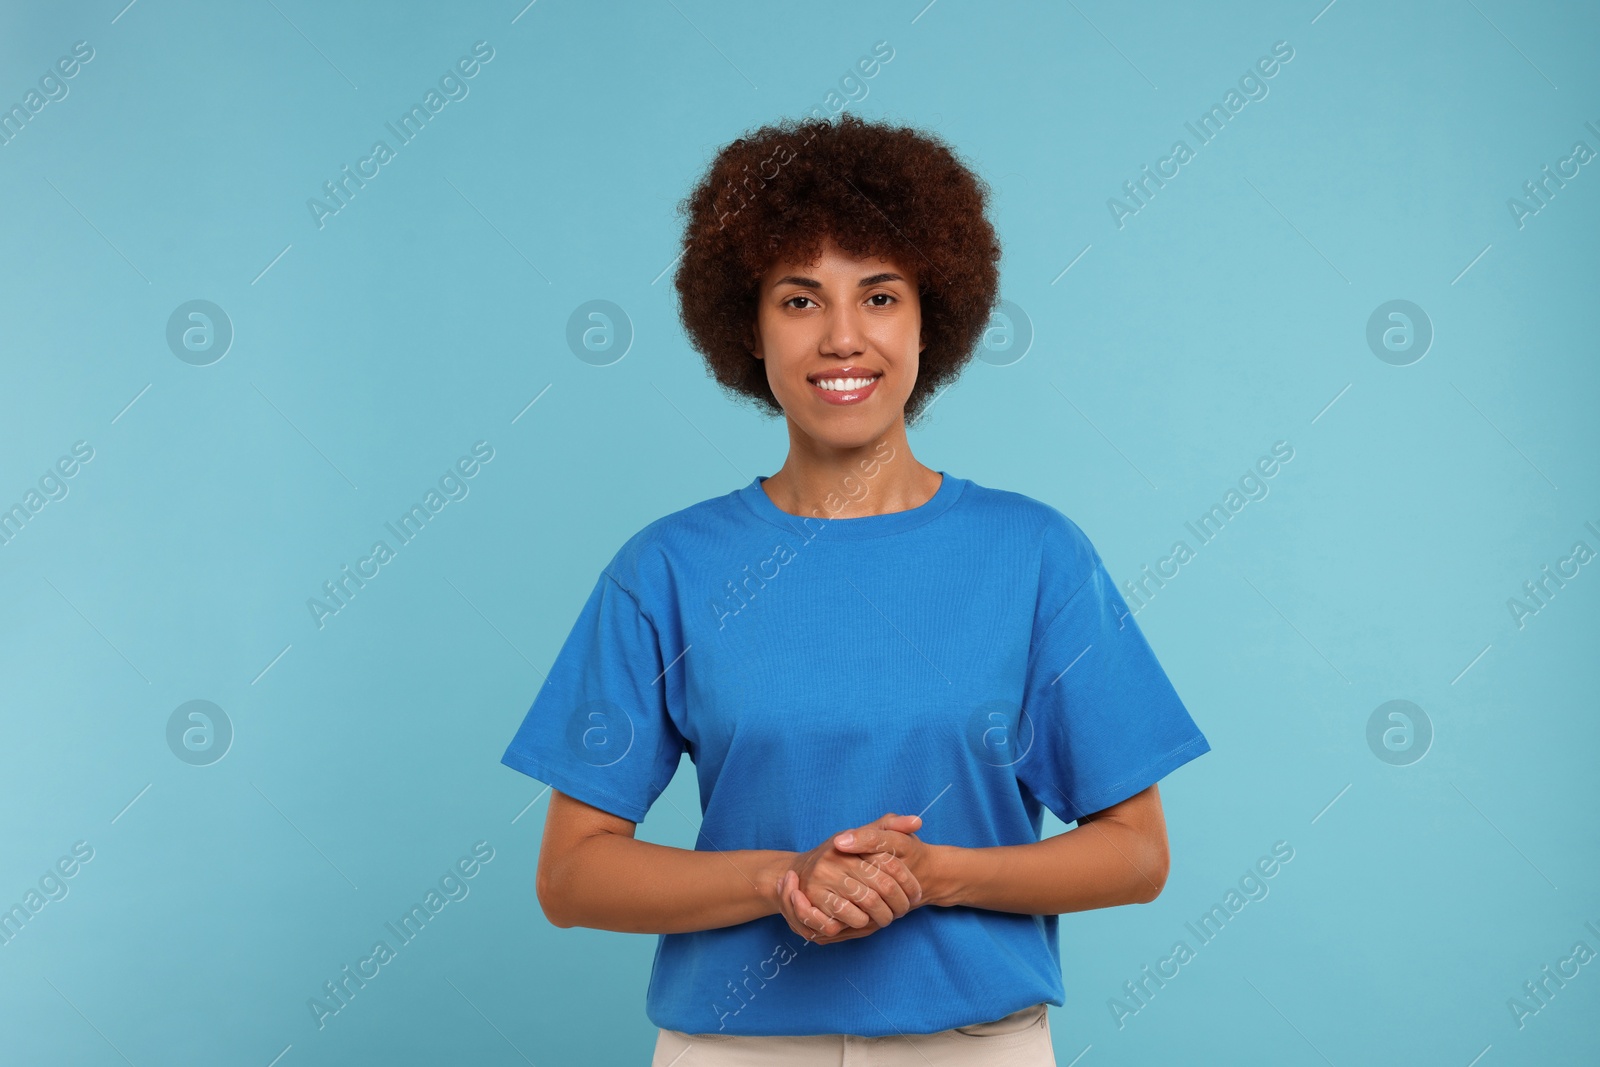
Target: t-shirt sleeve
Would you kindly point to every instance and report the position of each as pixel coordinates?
(1105, 720)
(599, 729)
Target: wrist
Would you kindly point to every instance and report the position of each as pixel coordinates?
(769, 880)
(944, 880)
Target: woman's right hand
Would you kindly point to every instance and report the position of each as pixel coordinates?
(796, 904)
(854, 893)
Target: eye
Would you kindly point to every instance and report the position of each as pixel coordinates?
(889, 296)
(790, 302)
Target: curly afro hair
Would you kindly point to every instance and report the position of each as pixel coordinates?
(875, 190)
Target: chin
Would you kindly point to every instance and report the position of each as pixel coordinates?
(859, 435)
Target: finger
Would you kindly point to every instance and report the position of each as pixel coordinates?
(874, 838)
(897, 896)
(812, 917)
(805, 932)
(786, 906)
(828, 913)
(906, 824)
(847, 935)
(800, 914)
(866, 897)
(891, 880)
(835, 900)
(883, 848)
(800, 928)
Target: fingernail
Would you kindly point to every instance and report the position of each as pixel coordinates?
(845, 839)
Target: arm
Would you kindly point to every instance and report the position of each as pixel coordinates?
(593, 872)
(1116, 856)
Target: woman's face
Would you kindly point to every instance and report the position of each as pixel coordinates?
(836, 322)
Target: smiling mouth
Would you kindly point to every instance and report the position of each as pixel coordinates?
(846, 385)
(844, 389)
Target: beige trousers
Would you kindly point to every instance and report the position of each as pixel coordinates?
(1021, 1039)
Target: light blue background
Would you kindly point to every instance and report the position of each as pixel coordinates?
(432, 310)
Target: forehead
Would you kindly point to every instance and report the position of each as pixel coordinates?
(834, 264)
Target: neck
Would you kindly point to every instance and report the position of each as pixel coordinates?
(874, 478)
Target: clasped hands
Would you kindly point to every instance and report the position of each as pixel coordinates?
(856, 882)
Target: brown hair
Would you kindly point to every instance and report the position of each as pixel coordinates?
(876, 190)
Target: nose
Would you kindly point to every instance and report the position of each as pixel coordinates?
(842, 334)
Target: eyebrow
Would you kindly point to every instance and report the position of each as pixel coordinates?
(812, 283)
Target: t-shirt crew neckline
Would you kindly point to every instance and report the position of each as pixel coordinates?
(892, 522)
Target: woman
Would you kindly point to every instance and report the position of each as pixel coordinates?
(853, 638)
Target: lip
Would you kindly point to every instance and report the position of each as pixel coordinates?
(854, 396)
(844, 372)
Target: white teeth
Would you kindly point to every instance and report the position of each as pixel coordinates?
(842, 385)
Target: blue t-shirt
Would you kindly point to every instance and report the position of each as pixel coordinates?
(968, 659)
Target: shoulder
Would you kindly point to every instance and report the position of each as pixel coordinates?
(647, 559)
(1056, 545)
(1061, 540)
